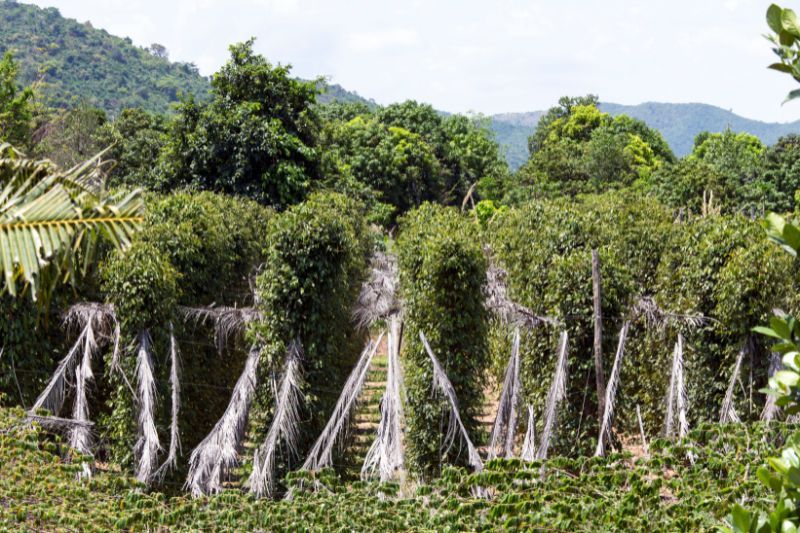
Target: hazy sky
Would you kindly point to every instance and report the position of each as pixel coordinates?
(488, 57)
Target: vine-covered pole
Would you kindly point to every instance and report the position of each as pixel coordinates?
(598, 334)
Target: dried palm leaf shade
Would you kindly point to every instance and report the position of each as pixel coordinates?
(611, 393)
(505, 422)
(508, 311)
(677, 399)
(285, 426)
(96, 323)
(213, 459)
(228, 322)
(147, 442)
(556, 395)
(386, 455)
(455, 425)
(321, 454)
(378, 297)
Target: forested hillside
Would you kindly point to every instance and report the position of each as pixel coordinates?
(75, 61)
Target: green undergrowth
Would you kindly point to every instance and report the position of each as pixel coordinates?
(680, 487)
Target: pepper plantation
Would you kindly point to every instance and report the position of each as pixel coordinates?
(269, 313)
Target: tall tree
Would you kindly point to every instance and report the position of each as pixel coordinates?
(257, 136)
(16, 105)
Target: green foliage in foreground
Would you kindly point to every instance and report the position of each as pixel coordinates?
(663, 493)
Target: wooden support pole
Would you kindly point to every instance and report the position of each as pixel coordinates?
(600, 377)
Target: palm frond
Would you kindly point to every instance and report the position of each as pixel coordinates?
(147, 445)
(611, 393)
(529, 444)
(455, 424)
(80, 436)
(47, 216)
(212, 459)
(285, 426)
(677, 398)
(556, 395)
(508, 311)
(505, 421)
(175, 383)
(727, 413)
(378, 297)
(321, 454)
(386, 453)
(228, 322)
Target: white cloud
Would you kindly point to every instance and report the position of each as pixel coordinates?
(372, 41)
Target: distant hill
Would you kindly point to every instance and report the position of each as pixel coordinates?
(76, 61)
(678, 123)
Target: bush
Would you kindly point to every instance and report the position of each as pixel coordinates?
(442, 273)
(314, 262)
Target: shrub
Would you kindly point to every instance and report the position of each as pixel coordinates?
(442, 273)
(314, 262)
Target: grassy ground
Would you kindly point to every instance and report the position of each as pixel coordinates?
(661, 492)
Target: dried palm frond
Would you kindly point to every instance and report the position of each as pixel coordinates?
(228, 322)
(386, 453)
(655, 317)
(213, 459)
(285, 425)
(147, 443)
(505, 422)
(80, 437)
(611, 393)
(645, 449)
(677, 398)
(55, 423)
(378, 298)
(771, 408)
(455, 425)
(556, 394)
(508, 311)
(529, 444)
(175, 385)
(93, 320)
(52, 397)
(321, 454)
(727, 413)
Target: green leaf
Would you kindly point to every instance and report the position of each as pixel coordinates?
(789, 22)
(769, 332)
(740, 518)
(774, 13)
(792, 95)
(781, 67)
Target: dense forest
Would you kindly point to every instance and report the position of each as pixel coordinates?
(255, 305)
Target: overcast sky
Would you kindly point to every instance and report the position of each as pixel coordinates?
(472, 55)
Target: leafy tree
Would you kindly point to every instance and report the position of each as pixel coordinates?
(781, 169)
(562, 110)
(136, 138)
(579, 149)
(738, 158)
(16, 105)
(68, 137)
(255, 138)
(405, 154)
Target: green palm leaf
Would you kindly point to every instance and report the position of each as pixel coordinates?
(49, 217)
